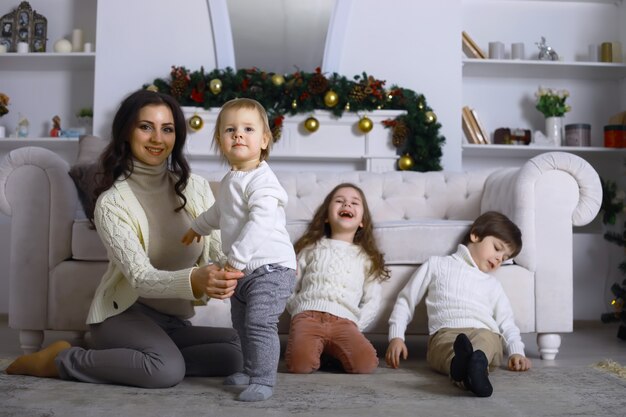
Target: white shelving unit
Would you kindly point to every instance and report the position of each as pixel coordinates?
(502, 91)
(44, 84)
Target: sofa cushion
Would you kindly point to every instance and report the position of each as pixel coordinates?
(85, 168)
(86, 244)
(407, 242)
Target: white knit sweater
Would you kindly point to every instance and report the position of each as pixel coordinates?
(250, 214)
(458, 295)
(333, 277)
(123, 228)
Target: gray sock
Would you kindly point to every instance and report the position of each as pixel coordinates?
(256, 392)
(238, 378)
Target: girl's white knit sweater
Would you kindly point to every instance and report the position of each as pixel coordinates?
(458, 295)
(333, 277)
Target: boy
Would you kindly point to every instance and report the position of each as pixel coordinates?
(469, 315)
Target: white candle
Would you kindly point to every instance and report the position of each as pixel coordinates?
(88, 47)
(3, 48)
(22, 47)
(77, 40)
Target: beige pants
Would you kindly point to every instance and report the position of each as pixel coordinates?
(441, 347)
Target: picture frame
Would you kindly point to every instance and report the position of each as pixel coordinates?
(24, 25)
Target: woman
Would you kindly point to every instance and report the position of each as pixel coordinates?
(147, 199)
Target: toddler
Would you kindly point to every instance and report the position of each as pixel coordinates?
(250, 213)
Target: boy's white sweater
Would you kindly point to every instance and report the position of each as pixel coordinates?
(458, 295)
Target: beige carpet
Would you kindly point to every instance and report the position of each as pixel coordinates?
(411, 391)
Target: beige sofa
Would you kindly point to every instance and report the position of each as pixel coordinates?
(56, 260)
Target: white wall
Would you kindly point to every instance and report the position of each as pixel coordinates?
(139, 41)
(413, 45)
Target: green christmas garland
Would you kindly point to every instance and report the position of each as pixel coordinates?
(415, 134)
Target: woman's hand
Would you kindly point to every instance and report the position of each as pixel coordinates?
(214, 282)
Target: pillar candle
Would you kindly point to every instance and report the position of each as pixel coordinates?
(77, 40)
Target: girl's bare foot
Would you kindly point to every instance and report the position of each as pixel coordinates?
(40, 363)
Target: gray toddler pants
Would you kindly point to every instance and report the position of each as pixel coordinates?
(259, 300)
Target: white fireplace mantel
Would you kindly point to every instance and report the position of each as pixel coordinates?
(337, 145)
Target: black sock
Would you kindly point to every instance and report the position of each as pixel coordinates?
(477, 379)
(463, 349)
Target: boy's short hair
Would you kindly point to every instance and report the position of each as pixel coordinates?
(493, 223)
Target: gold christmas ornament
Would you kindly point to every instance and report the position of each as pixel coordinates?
(405, 162)
(331, 98)
(278, 80)
(431, 117)
(365, 124)
(347, 108)
(215, 85)
(311, 124)
(420, 105)
(294, 104)
(196, 122)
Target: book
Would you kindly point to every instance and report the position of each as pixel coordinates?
(473, 128)
(468, 128)
(471, 48)
(481, 128)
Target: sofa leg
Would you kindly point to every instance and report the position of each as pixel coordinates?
(31, 340)
(548, 344)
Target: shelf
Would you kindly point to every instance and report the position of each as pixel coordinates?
(507, 68)
(49, 143)
(522, 151)
(44, 61)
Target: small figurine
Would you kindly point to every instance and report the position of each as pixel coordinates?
(546, 53)
(22, 127)
(55, 132)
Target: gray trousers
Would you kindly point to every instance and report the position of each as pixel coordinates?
(259, 300)
(145, 348)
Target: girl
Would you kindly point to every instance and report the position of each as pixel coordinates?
(338, 292)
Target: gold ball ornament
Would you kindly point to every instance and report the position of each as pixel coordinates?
(405, 162)
(365, 124)
(196, 122)
(215, 85)
(420, 105)
(331, 98)
(294, 104)
(311, 124)
(347, 108)
(278, 80)
(431, 117)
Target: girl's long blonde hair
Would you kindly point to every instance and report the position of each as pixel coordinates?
(319, 227)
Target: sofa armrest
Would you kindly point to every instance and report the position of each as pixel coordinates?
(546, 197)
(41, 199)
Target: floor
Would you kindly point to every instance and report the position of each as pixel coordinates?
(564, 387)
(590, 342)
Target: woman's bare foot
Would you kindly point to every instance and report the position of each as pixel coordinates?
(40, 363)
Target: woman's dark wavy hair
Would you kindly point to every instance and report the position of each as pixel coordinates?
(319, 227)
(116, 161)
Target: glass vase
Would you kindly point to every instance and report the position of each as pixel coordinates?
(554, 130)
